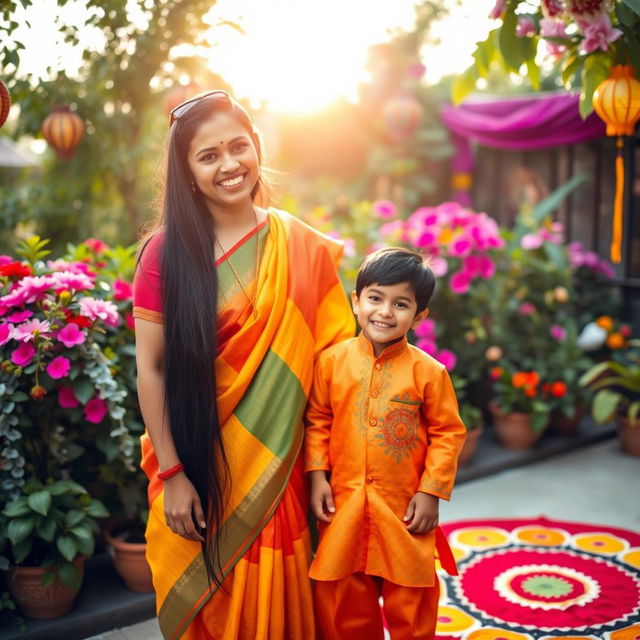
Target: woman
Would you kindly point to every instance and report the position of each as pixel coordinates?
(257, 292)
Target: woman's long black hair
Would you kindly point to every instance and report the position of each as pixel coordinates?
(190, 290)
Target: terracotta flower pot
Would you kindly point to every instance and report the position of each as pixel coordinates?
(629, 435)
(567, 426)
(514, 429)
(129, 559)
(37, 601)
(470, 446)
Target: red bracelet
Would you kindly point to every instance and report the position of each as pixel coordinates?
(169, 473)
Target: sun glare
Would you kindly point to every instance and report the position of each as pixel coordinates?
(299, 56)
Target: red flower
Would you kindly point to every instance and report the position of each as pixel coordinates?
(530, 392)
(15, 269)
(82, 321)
(495, 372)
(558, 389)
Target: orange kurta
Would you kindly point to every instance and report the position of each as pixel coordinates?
(385, 428)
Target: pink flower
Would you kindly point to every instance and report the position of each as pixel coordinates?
(526, 27)
(97, 246)
(23, 354)
(29, 289)
(5, 259)
(428, 346)
(459, 248)
(557, 332)
(552, 8)
(67, 398)
(385, 209)
(6, 332)
(95, 410)
(426, 239)
(122, 290)
(59, 367)
(392, 230)
(70, 335)
(20, 316)
(460, 282)
(426, 329)
(439, 266)
(531, 241)
(526, 309)
(598, 33)
(93, 309)
(487, 267)
(69, 280)
(498, 9)
(552, 28)
(31, 329)
(447, 358)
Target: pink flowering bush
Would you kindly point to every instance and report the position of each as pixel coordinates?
(63, 400)
(582, 38)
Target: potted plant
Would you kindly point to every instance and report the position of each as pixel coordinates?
(616, 387)
(123, 485)
(46, 534)
(520, 407)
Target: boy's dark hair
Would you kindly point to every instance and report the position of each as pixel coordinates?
(393, 265)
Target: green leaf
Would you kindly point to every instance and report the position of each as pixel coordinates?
(509, 42)
(97, 510)
(595, 70)
(82, 532)
(633, 412)
(69, 575)
(73, 517)
(546, 207)
(66, 486)
(634, 5)
(593, 373)
(557, 254)
(84, 390)
(539, 421)
(463, 85)
(533, 71)
(22, 550)
(48, 579)
(605, 403)
(19, 529)
(4, 564)
(570, 67)
(86, 547)
(17, 508)
(47, 529)
(40, 502)
(67, 547)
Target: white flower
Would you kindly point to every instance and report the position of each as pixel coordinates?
(592, 337)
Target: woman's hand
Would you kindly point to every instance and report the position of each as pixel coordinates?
(321, 496)
(422, 513)
(181, 506)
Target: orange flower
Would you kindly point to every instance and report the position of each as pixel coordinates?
(605, 322)
(558, 389)
(615, 340)
(530, 392)
(534, 379)
(519, 379)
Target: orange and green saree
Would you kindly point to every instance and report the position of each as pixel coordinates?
(264, 370)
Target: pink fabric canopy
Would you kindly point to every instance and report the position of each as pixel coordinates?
(531, 121)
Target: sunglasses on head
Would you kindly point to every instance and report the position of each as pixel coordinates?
(184, 107)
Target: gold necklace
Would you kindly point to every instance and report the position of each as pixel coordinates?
(252, 301)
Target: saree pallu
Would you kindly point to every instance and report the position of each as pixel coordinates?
(264, 370)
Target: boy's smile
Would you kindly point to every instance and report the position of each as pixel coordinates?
(385, 313)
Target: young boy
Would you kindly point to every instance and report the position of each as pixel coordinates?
(383, 420)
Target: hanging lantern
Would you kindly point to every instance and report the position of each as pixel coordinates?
(179, 94)
(402, 116)
(5, 102)
(617, 101)
(63, 130)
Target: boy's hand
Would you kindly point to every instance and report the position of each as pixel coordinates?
(321, 496)
(422, 513)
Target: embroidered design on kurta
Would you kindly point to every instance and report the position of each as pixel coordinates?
(405, 398)
(399, 433)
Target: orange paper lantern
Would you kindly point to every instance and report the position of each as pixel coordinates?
(5, 102)
(617, 101)
(63, 130)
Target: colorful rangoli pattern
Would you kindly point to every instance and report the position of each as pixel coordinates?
(540, 579)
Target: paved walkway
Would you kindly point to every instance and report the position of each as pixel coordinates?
(598, 484)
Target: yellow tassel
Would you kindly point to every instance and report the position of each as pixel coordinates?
(616, 238)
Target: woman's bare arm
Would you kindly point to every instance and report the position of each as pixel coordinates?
(180, 497)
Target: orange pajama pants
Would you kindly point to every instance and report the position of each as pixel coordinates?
(348, 609)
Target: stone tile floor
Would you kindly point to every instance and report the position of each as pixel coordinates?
(597, 484)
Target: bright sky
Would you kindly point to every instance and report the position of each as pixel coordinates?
(296, 55)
